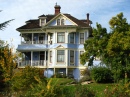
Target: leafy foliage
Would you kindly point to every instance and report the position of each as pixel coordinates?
(7, 64)
(113, 48)
(101, 74)
(95, 46)
(23, 78)
(4, 24)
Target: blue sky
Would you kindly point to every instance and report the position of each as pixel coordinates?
(100, 11)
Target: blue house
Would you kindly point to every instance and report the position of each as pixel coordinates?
(54, 43)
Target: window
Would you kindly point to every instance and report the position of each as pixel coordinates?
(60, 37)
(71, 37)
(82, 38)
(58, 21)
(50, 56)
(71, 56)
(42, 22)
(60, 56)
(81, 52)
(62, 21)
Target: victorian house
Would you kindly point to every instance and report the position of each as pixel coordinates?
(54, 43)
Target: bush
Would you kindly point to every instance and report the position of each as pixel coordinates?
(83, 91)
(101, 74)
(119, 90)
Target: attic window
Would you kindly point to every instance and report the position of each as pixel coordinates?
(42, 22)
(62, 21)
(58, 21)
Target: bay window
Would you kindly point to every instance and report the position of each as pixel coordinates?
(60, 55)
(81, 38)
(71, 56)
(71, 37)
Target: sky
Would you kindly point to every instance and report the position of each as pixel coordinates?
(100, 11)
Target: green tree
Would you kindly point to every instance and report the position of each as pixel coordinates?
(112, 48)
(4, 24)
(95, 47)
(119, 45)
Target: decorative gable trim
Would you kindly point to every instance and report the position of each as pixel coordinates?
(60, 46)
(60, 14)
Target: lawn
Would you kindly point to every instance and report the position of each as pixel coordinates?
(99, 88)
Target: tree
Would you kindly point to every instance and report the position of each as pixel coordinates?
(119, 44)
(4, 24)
(95, 46)
(112, 48)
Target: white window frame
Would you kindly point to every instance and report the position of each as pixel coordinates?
(70, 38)
(62, 36)
(80, 38)
(62, 55)
(73, 57)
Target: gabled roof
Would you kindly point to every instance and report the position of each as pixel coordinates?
(33, 24)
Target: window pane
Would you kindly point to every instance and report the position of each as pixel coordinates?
(82, 38)
(71, 37)
(62, 22)
(60, 37)
(58, 21)
(60, 56)
(50, 56)
(71, 56)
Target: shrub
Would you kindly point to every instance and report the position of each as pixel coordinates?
(101, 74)
(119, 90)
(83, 91)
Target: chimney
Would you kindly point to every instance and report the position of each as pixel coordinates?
(57, 9)
(88, 19)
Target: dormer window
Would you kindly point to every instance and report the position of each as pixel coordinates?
(62, 21)
(58, 21)
(43, 21)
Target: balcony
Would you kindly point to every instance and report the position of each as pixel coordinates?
(35, 42)
(36, 63)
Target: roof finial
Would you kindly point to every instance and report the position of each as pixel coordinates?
(56, 3)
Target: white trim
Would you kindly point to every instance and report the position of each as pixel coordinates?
(79, 37)
(31, 57)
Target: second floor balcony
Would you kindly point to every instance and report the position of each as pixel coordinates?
(35, 42)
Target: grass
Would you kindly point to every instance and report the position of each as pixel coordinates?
(61, 81)
(99, 88)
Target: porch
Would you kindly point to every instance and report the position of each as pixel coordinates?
(34, 38)
(34, 58)
(35, 63)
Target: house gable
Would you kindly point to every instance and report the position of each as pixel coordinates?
(61, 17)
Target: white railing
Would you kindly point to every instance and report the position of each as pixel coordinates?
(34, 63)
(35, 42)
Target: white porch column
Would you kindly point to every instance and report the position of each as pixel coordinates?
(31, 58)
(46, 38)
(66, 71)
(21, 38)
(66, 37)
(45, 58)
(54, 70)
(32, 37)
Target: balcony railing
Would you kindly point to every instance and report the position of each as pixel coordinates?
(35, 42)
(34, 63)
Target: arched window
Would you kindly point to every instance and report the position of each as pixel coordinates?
(58, 21)
(62, 21)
